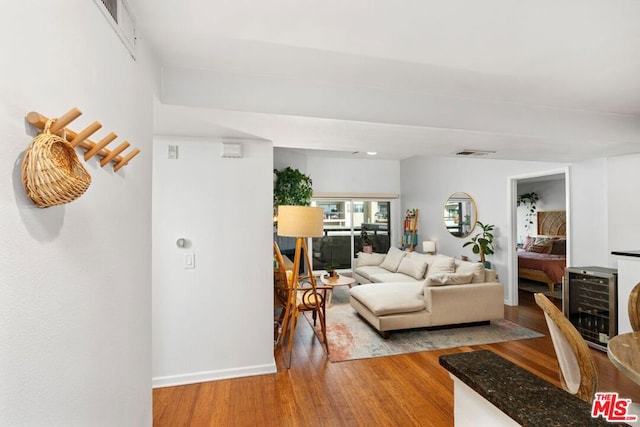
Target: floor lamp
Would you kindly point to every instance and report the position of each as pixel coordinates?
(301, 222)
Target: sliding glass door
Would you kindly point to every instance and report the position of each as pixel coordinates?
(344, 220)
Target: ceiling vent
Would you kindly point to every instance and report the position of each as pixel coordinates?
(119, 15)
(474, 153)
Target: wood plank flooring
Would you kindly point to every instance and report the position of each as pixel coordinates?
(404, 390)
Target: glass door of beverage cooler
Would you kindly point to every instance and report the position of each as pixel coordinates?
(590, 303)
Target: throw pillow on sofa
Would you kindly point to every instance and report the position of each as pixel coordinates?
(441, 279)
(392, 260)
(370, 259)
(471, 267)
(442, 264)
(412, 267)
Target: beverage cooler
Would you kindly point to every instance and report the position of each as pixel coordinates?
(590, 302)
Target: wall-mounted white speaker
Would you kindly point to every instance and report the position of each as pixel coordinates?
(231, 149)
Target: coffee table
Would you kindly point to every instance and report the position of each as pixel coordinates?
(336, 281)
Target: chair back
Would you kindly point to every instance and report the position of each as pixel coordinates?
(281, 286)
(578, 373)
(634, 308)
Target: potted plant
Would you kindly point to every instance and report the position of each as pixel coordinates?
(365, 240)
(331, 269)
(482, 243)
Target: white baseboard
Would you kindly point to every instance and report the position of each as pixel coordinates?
(223, 374)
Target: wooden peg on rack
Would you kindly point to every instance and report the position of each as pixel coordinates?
(119, 149)
(40, 121)
(81, 139)
(85, 133)
(126, 159)
(100, 145)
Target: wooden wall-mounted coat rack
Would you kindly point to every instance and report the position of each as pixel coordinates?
(80, 139)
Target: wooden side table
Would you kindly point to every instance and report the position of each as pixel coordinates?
(336, 281)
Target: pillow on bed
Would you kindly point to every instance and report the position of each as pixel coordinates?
(559, 247)
(542, 248)
(528, 243)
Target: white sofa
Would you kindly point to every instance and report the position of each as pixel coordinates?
(404, 290)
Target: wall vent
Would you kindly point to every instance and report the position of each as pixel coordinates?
(232, 149)
(119, 15)
(474, 153)
(112, 8)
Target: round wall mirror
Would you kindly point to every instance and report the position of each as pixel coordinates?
(460, 214)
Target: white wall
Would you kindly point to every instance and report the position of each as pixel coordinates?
(214, 321)
(623, 204)
(75, 280)
(283, 157)
(427, 182)
(623, 175)
(589, 214)
(552, 197)
(332, 175)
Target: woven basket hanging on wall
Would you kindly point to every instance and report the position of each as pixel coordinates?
(51, 172)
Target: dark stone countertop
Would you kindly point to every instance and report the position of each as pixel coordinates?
(627, 253)
(526, 398)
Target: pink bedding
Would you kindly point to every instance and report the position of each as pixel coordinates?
(553, 265)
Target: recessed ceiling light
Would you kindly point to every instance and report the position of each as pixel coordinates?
(372, 153)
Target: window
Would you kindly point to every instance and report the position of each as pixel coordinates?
(343, 223)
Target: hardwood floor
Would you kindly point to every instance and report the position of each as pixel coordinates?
(404, 390)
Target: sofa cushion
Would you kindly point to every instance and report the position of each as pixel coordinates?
(392, 259)
(428, 258)
(471, 267)
(440, 279)
(388, 277)
(413, 267)
(370, 259)
(386, 298)
(369, 271)
(442, 264)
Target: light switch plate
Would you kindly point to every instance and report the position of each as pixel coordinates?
(173, 152)
(189, 261)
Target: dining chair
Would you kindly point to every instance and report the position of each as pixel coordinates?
(578, 373)
(295, 298)
(633, 308)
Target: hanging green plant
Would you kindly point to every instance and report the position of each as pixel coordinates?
(528, 200)
(292, 187)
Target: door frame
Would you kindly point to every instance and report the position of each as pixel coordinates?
(512, 224)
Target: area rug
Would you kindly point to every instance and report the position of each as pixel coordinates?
(350, 337)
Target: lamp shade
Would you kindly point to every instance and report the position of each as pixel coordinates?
(428, 246)
(300, 221)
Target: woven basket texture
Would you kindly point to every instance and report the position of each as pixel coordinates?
(51, 172)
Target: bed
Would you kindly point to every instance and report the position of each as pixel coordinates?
(543, 257)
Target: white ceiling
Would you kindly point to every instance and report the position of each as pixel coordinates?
(550, 80)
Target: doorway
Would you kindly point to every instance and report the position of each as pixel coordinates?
(552, 187)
